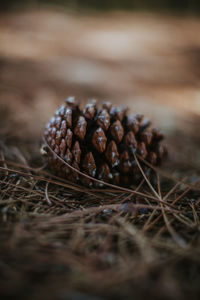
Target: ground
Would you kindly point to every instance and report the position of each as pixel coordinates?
(61, 240)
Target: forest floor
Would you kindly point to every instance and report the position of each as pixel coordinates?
(63, 241)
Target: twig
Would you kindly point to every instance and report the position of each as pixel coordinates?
(46, 194)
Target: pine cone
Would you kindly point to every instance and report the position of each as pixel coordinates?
(101, 143)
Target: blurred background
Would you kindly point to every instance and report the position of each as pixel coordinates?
(179, 5)
(145, 54)
(141, 53)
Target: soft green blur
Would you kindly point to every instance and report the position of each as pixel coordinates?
(190, 6)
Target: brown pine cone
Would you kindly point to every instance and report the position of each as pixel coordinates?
(101, 143)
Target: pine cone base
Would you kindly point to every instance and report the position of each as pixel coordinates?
(101, 143)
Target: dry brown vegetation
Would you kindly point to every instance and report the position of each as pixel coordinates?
(60, 240)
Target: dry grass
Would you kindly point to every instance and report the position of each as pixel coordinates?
(67, 241)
